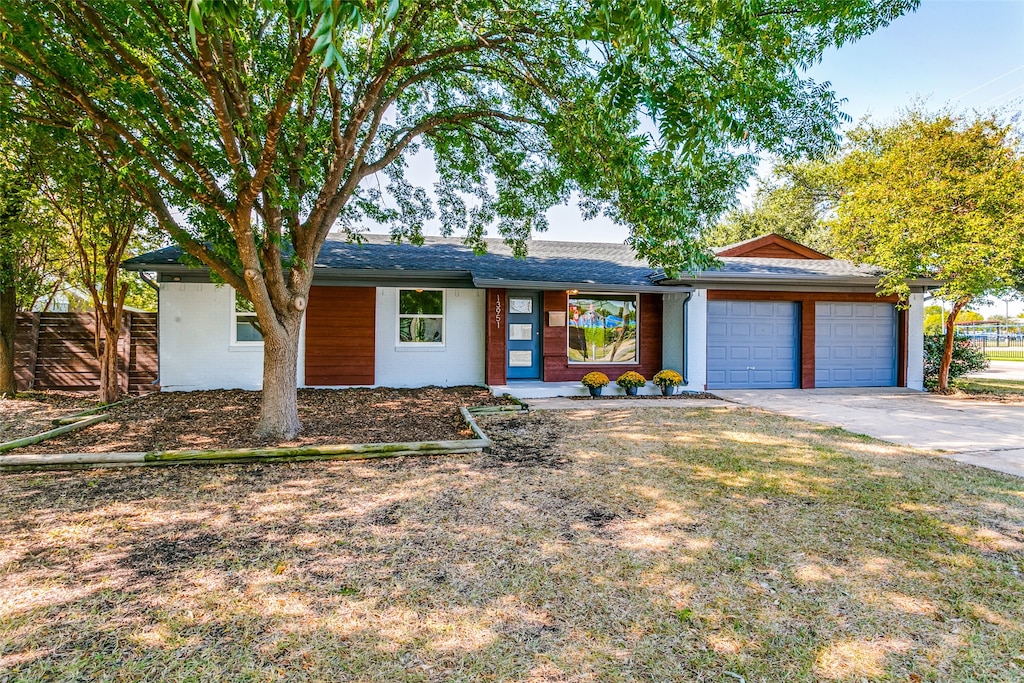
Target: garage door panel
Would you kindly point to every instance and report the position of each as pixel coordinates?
(855, 345)
(752, 344)
(739, 353)
(740, 329)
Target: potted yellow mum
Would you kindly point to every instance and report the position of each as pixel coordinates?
(595, 381)
(631, 381)
(668, 380)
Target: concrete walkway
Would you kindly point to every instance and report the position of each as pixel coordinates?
(982, 433)
(564, 403)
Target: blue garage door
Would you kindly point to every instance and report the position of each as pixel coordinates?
(753, 345)
(854, 345)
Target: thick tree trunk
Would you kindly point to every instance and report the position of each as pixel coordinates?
(8, 328)
(110, 387)
(947, 348)
(279, 412)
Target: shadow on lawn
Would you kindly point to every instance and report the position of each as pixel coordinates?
(647, 545)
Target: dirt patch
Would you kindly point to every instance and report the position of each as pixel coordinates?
(227, 419)
(524, 440)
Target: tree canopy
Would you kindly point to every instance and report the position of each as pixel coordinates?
(251, 129)
(939, 196)
(792, 202)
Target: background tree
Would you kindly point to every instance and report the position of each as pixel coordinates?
(935, 195)
(248, 128)
(935, 319)
(793, 202)
(103, 224)
(33, 259)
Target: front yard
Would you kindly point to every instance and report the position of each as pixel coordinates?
(653, 544)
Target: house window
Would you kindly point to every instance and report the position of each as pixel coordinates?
(603, 328)
(421, 316)
(245, 328)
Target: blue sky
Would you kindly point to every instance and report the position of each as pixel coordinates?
(968, 54)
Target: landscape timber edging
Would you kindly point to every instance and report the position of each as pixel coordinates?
(363, 451)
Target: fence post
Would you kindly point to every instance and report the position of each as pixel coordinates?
(125, 353)
(33, 351)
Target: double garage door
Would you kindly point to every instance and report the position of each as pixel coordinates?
(756, 345)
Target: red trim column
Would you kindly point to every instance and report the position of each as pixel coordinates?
(807, 341)
(902, 344)
(494, 358)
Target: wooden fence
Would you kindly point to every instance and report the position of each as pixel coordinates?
(57, 351)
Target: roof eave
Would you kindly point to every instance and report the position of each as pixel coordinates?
(547, 285)
(749, 281)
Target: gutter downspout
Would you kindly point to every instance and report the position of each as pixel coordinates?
(686, 331)
(145, 278)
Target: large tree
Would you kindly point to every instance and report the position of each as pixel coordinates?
(249, 127)
(935, 195)
(793, 201)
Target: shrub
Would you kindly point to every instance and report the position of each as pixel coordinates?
(967, 358)
(631, 379)
(668, 378)
(593, 380)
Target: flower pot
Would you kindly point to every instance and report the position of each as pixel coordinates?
(595, 391)
(631, 391)
(668, 389)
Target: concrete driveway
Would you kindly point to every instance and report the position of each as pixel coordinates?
(981, 433)
(1002, 369)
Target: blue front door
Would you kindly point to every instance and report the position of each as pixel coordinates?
(524, 355)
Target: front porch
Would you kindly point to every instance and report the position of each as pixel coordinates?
(537, 389)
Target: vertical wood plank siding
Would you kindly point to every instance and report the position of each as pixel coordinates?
(807, 323)
(340, 335)
(556, 362)
(807, 340)
(497, 326)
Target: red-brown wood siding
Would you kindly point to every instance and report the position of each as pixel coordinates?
(773, 251)
(496, 320)
(340, 335)
(807, 323)
(807, 334)
(774, 246)
(556, 361)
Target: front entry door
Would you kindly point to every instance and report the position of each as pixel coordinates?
(524, 355)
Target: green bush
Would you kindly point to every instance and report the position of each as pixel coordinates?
(967, 358)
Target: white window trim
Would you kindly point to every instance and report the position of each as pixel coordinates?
(398, 319)
(598, 295)
(233, 320)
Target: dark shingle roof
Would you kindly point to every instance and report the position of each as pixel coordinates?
(554, 263)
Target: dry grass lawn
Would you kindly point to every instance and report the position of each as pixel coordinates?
(1008, 390)
(647, 544)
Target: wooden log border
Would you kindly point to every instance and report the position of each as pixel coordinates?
(361, 451)
(43, 436)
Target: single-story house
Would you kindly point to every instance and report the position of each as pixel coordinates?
(775, 315)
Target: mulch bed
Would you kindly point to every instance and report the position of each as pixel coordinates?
(33, 412)
(227, 419)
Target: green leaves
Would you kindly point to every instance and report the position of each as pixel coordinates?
(935, 195)
(651, 113)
